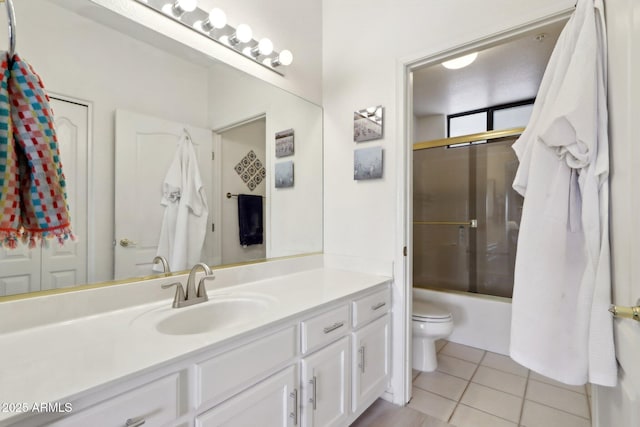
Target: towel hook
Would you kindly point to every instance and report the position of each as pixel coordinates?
(11, 16)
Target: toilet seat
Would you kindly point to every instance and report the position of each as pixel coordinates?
(426, 312)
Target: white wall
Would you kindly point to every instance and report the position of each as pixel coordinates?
(364, 43)
(77, 57)
(428, 128)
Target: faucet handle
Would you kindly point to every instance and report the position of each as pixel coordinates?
(202, 290)
(179, 296)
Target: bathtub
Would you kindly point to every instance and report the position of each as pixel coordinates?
(479, 321)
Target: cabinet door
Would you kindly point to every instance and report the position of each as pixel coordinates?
(272, 402)
(370, 369)
(325, 386)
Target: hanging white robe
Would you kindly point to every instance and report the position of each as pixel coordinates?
(184, 224)
(560, 324)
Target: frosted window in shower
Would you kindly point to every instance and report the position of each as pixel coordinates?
(468, 124)
(512, 117)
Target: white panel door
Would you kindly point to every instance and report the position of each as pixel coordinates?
(24, 270)
(64, 266)
(620, 406)
(325, 386)
(145, 147)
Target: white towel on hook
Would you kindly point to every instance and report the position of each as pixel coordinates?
(560, 324)
(185, 219)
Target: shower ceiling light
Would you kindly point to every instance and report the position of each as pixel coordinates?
(213, 25)
(460, 62)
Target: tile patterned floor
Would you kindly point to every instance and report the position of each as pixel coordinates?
(477, 388)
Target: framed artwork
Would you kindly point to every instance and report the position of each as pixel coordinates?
(284, 143)
(367, 124)
(367, 163)
(284, 174)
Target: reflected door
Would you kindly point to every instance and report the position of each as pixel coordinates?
(145, 148)
(24, 270)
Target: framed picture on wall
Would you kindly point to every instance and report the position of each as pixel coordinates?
(284, 174)
(367, 124)
(367, 163)
(284, 143)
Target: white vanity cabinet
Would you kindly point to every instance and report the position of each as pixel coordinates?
(319, 367)
(325, 367)
(273, 402)
(370, 349)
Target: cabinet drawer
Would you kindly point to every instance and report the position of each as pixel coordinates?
(371, 307)
(325, 328)
(156, 403)
(230, 372)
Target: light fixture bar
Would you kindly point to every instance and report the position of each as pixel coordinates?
(239, 39)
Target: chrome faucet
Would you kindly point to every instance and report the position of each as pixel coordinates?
(163, 261)
(192, 295)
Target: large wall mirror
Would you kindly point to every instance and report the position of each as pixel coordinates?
(121, 104)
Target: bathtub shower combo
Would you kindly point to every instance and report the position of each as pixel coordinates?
(466, 218)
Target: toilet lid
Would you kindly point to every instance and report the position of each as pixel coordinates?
(426, 310)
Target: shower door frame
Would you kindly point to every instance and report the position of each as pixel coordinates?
(404, 216)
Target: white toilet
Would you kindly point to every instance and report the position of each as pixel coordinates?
(430, 323)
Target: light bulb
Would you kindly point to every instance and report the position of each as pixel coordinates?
(244, 33)
(179, 7)
(284, 58)
(460, 62)
(187, 5)
(264, 47)
(217, 18)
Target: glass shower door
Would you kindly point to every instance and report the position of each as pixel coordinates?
(466, 218)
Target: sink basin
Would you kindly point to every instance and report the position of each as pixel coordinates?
(218, 312)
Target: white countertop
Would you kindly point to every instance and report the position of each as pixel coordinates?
(57, 362)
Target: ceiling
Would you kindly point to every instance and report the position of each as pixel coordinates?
(502, 74)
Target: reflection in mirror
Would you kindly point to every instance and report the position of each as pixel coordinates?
(121, 106)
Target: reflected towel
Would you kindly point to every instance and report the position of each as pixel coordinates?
(33, 201)
(250, 219)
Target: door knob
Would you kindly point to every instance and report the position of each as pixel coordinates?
(626, 312)
(125, 243)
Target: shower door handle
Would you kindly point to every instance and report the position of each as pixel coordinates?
(472, 223)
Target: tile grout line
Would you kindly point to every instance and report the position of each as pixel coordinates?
(489, 413)
(466, 387)
(524, 397)
(558, 409)
(588, 402)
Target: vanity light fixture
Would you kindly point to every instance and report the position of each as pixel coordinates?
(460, 62)
(213, 25)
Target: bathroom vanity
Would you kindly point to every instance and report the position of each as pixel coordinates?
(309, 348)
